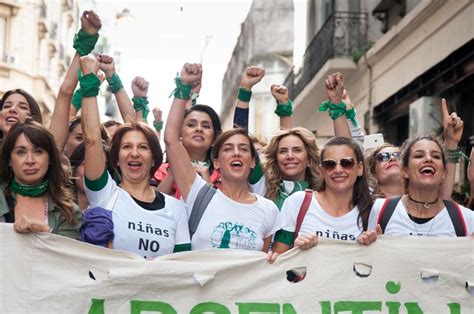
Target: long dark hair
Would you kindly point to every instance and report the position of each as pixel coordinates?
(360, 193)
(34, 107)
(57, 173)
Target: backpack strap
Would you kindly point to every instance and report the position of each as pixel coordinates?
(303, 210)
(457, 217)
(387, 211)
(203, 198)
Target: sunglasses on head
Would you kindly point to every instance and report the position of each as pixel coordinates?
(386, 156)
(330, 164)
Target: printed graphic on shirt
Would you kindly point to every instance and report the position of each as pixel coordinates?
(333, 234)
(227, 232)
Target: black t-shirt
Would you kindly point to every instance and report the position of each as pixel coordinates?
(158, 202)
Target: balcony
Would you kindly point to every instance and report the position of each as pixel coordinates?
(344, 35)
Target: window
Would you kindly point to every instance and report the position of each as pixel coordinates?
(3, 39)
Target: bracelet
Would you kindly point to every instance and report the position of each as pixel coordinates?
(115, 83)
(141, 104)
(454, 155)
(350, 114)
(335, 110)
(76, 100)
(90, 84)
(182, 91)
(84, 43)
(158, 125)
(244, 95)
(284, 110)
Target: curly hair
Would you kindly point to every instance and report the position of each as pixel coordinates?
(270, 164)
(57, 173)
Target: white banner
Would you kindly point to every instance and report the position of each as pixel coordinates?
(43, 273)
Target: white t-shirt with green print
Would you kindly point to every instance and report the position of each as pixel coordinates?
(229, 224)
(317, 221)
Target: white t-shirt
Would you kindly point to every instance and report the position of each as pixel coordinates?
(319, 222)
(229, 224)
(401, 224)
(149, 233)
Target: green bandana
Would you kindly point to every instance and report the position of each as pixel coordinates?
(350, 114)
(284, 110)
(158, 125)
(287, 188)
(84, 43)
(115, 83)
(335, 110)
(182, 91)
(76, 100)
(29, 190)
(90, 84)
(141, 104)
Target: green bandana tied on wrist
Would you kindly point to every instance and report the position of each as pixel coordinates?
(115, 83)
(32, 190)
(454, 155)
(350, 114)
(84, 43)
(244, 95)
(182, 91)
(158, 125)
(284, 110)
(76, 100)
(335, 110)
(141, 104)
(90, 84)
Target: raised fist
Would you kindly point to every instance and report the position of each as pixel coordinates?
(191, 74)
(280, 93)
(251, 76)
(139, 87)
(106, 64)
(89, 64)
(452, 124)
(157, 114)
(335, 87)
(90, 22)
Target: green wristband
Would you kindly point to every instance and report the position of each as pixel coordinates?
(244, 95)
(454, 155)
(115, 83)
(76, 100)
(284, 110)
(335, 110)
(182, 91)
(90, 84)
(350, 114)
(84, 43)
(158, 125)
(141, 104)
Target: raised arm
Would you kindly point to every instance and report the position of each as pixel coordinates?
(140, 101)
(158, 121)
(183, 171)
(284, 106)
(470, 176)
(453, 127)
(251, 76)
(90, 26)
(336, 107)
(94, 161)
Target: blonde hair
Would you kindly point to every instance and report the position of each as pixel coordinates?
(270, 165)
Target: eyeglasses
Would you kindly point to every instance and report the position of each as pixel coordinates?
(386, 156)
(330, 164)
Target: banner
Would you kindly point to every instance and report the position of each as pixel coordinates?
(44, 273)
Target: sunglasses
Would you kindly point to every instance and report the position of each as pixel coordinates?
(330, 164)
(386, 156)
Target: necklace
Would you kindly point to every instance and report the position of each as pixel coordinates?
(412, 218)
(425, 204)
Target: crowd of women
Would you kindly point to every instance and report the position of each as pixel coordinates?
(107, 184)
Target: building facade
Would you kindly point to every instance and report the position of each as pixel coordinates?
(36, 47)
(398, 58)
(266, 41)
